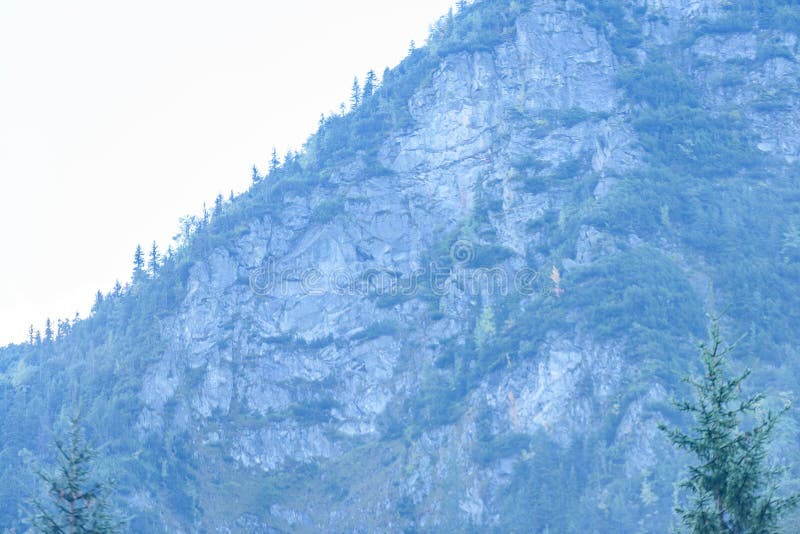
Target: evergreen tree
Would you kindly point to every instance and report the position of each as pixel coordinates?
(732, 489)
(31, 338)
(451, 22)
(154, 259)
(218, 205)
(48, 331)
(77, 503)
(369, 85)
(98, 300)
(138, 262)
(290, 162)
(791, 242)
(117, 289)
(38, 337)
(355, 96)
(63, 329)
(256, 176)
(274, 162)
(461, 5)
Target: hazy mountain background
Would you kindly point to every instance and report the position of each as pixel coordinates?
(466, 303)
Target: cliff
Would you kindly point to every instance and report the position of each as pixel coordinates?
(467, 303)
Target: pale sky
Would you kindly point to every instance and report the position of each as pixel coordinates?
(117, 118)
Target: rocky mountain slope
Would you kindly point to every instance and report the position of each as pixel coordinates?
(465, 304)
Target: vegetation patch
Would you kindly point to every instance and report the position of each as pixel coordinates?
(494, 448)
(327, 210)
(376, 330)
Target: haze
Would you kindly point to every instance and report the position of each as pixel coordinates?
(117, 118)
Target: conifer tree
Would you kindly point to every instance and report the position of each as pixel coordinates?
(369, 85)
(218, 205)
(77, 503)
(256, 176)
(274, 162)
(63, 329)
(48, 331)
(138, 262)
(355, 96)
(451, 22)
(732, 489)
(154, 259)
(791, 242)
(31, 338)
(117, 289)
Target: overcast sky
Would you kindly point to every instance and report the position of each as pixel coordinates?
(117, 118)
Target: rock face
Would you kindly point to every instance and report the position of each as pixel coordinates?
(381, 352)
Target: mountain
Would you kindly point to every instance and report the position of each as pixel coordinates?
(465, 304)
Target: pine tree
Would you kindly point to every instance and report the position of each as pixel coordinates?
(48, 331)
(31, 338)
(369, 85)
(77, 503)
(791, 242)
(63, 328)
(355, 96)
(153, 264)
(274, 162)
(256, 176)
(117, 289)
(218, 205)
(290, 163)
(732, 490)
(138, 262)
(451, 22)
